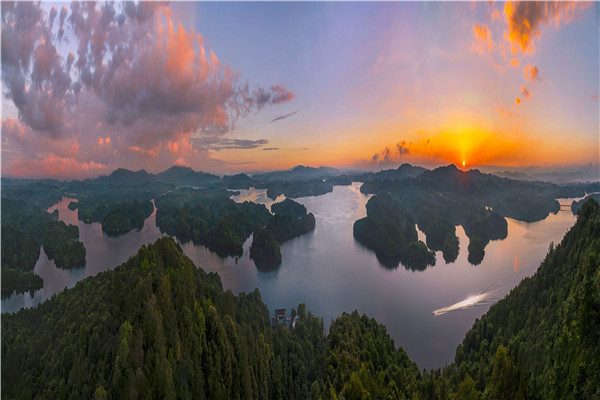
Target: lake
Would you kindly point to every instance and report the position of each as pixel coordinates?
(332, 273)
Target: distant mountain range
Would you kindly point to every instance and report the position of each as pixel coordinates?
(176, 175)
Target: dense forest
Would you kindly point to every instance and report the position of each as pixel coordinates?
(158, 327)
(440, 199)
(389, 230)
(303, 188)
(26, 228)
(116, 218)
(576, 205)
(541, 341)
(290, 220)
(209, 217)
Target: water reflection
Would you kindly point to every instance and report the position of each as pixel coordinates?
(103, 252)
(258, 196)
(332, 273)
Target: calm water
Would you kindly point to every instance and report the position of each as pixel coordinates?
(329, 271)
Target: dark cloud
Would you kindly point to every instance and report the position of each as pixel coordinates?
(219, 143)
(402, 148)
(280, 117)
(525, 18)
(525, 92)
(243, 163)
(270, 148)
(392, 155)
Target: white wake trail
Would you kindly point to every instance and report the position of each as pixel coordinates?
(490, 295)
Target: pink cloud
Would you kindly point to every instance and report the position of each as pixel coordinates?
(55, 167)
(136, 79)
(145, 153)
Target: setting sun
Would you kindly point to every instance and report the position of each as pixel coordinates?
(463, 163)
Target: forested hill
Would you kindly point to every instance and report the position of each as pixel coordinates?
(543, 340)
(158, 327)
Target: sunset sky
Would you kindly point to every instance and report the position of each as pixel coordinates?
(227, 87)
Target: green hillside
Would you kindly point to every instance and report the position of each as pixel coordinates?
(158, 327)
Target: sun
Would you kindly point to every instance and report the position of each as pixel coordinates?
(463, 164)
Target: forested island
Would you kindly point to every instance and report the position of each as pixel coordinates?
(116, 218)
(389, 230)
(290, 220)
(210, 218)
(436, 200)
(576, 205)
(122, 334)
(26, 228)
(442, 198)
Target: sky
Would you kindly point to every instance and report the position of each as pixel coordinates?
(256, 86)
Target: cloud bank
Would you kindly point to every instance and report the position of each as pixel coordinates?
(126, 73)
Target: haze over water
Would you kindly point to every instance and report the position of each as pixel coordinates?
(332, 273)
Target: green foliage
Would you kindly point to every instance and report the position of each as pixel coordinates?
(576, 205)
(486, 224)
(476, 250)
(40, 193)
(541, 341)
(289, 206)
(363, 362)
(19, 250)
(290, 221)
(20, 281)
(466, 390)
(216, 222)
(285, 227)
(417, 255)
(265, 250)
(25, 228)
(445, 197)
(126, 216)
(303, 188)
(158, 327)
(389, 230)
(450, 247)
(116, 217)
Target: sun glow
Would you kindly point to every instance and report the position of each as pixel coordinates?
(463, 164)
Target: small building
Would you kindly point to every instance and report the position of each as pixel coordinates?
(279, 316)
(280, 313)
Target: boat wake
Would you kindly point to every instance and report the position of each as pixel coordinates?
(489, 295)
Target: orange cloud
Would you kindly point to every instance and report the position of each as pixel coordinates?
(13, 129)
(505, 114)
(54, 166)
(517, 100)
(532, 73)
(524, 19)
(145, 153)
(393, 154)
(483, 38)
(182, 146)
(473, 146)
(496, 15)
